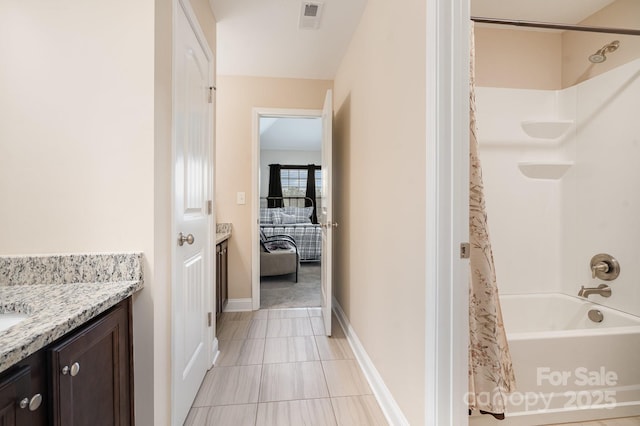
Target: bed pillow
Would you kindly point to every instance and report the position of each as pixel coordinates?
(275, 216)
(301, 214)
(281, 218)
(265, 215)
(287, 218)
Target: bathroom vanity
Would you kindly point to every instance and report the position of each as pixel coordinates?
(223, 233)
(83, 378)
(69, 359)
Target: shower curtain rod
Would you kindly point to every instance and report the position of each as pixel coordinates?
(553, 26)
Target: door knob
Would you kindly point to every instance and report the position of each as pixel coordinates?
(334, 224)
(189, 239)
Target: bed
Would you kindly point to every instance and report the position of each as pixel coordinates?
(291, 217)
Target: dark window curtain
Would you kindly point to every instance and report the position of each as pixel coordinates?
(311, 192)
(275, 186)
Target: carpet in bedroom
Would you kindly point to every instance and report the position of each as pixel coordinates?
(282, 292)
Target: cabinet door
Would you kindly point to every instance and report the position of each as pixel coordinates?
(23, 393)
(218, 280)
(224, 262)
(14, 387)
(91, 373)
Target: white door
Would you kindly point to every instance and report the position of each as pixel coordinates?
(326, 212)
(192, 248)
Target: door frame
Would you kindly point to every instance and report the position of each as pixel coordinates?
(258, 112)
(211, 340)
(447, 178)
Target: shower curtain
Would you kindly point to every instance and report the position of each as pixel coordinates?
(491, 375)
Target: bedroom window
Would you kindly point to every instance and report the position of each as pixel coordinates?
(294, 182)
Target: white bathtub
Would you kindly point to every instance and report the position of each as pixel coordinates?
(567, 367)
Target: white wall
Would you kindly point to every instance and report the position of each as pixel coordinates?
(544, 232)
(284, 157)
(523, 213)
(602, 205)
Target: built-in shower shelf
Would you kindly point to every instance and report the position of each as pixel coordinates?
(546, 129)
(544, 169)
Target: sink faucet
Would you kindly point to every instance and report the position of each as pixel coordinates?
(603, 290)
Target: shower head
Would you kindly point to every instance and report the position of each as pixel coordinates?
(597, 58)
(600, 56)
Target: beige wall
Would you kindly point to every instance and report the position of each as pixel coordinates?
(85, 150)
(525, 59)
(236, 97)
(76, 139)
(379, 161)
(518, 59)
(578, 46)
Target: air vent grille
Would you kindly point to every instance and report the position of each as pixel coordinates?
(311, 10)
(310, 15)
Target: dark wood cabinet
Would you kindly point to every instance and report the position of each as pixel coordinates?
(83, 378)
(12, 389)
(23, 391)
(90, 373)
(222, 263)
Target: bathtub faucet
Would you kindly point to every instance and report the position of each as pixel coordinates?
(599, 267)
(603, 290)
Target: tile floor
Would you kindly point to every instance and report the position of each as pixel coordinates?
(276, 367)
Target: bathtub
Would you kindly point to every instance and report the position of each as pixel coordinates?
(567, 367)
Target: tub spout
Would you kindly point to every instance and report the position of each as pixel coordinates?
(603, 290)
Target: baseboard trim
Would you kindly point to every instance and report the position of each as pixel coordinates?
(239, 305)
(215, 350)
(389, 407)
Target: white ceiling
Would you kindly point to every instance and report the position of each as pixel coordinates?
(558, 11)
(261, 38)
(291, 134)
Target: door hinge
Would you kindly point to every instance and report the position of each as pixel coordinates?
(465, 250)
(209, 207)
(209, 319)
(211, 89)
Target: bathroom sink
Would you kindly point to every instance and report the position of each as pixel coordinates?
(10, 319)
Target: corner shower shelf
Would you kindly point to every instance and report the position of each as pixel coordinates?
(544, 169)
(546, 129)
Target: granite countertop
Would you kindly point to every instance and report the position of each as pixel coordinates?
(223, 232)
(222, 236)
(53, 311)
(60, 306)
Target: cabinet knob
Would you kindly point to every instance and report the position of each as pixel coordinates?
(33, 403)
(74, 370)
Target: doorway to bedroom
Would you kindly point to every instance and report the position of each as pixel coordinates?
(290, 201)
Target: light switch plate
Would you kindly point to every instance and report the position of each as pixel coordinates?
(241, 198)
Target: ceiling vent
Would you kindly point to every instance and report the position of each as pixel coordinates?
(310, 15)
